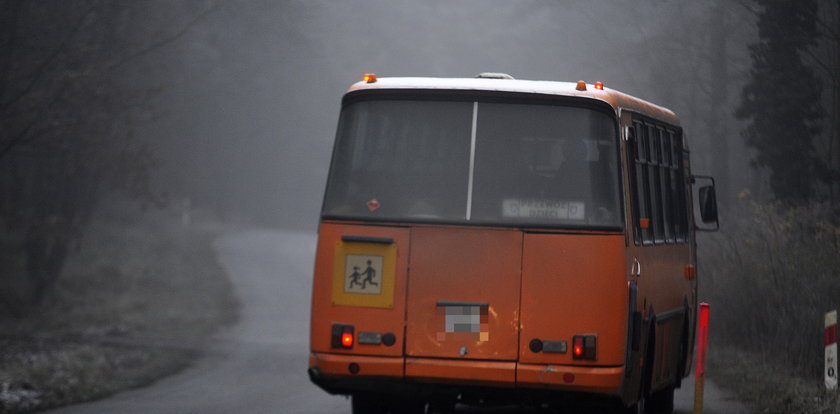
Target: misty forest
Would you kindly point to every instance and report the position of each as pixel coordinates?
(133, 135)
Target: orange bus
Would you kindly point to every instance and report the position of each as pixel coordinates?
(502, 241)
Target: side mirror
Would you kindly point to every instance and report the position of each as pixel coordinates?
(706, 205)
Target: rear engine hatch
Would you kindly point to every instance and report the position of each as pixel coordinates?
(463, 293)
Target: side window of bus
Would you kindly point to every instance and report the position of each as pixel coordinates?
(679, 187)
(658, 184)
(667, 189)
(655, 186)
(640, 198)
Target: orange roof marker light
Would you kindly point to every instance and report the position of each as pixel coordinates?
(599, 86)
(581, 85)
(369, 77)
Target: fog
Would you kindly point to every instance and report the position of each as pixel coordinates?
(251, 92)
(220, 115)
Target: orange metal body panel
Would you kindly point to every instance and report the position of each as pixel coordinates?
(603, 380)
(467, 372)
(664, 288)
(333, 365)
(574, 285)
(663, 275)
(464, 265)
(382, 320)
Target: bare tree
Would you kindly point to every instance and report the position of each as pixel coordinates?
(66, 116)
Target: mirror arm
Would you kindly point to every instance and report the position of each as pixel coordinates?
(708, 230)
(703, 177)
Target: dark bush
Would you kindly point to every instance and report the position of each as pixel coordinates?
(771, 274)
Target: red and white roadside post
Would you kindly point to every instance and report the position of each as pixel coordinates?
(831, 350)
(700, 370)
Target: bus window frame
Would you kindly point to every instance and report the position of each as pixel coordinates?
(484, 96)
(652, 182)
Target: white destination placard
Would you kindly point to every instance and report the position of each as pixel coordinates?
(543, 209)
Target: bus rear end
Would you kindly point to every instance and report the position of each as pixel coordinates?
(472, 249)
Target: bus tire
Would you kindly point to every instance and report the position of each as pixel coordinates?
(441, 407)
(662, 401)
(369, 404)
(410, 407)
(381, 404)
(684, 351)
(639, 407)
(643, 405)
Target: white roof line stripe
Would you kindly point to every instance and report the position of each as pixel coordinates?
(506, 85)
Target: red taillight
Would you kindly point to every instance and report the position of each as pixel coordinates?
(342, 336)
(584, 347)
(577, 347)
(347, 339)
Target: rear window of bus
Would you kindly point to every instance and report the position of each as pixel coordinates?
(499, 162)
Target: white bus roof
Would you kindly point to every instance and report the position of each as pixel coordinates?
(616, 99)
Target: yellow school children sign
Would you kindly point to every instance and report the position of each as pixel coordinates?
(364, 274)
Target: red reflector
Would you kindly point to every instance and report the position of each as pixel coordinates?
(690, 272)
(369, 77)
(347, 339)
(830, 335)
(599, 85)
(569, 377)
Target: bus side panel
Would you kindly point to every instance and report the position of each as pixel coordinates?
(664, 288)
(366, 312)
(574, 285)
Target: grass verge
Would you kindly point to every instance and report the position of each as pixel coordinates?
(770, 275)
(135, 302)
(767, 387)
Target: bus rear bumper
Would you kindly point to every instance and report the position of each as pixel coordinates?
(485, 373)
(598, 380)
(343, 374)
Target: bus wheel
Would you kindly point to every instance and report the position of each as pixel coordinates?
(643, 405)
(441, 407)
(661, 401)
(369, 404)
(637, 408)
(381, 404)
(410, 407)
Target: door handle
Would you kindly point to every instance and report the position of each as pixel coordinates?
(636, 269)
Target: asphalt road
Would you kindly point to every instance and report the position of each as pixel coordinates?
(259, 365)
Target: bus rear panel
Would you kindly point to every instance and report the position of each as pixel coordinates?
(477, 244)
